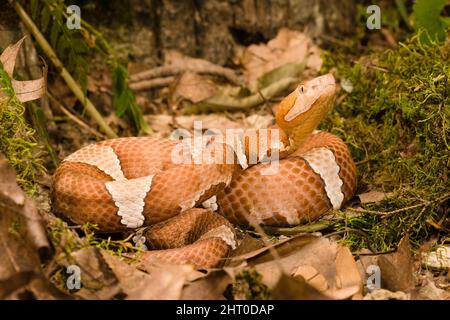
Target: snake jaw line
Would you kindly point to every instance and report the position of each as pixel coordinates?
(299, 114)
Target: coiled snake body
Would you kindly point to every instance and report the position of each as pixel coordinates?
(127, 183)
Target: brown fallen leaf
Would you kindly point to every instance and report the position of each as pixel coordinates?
(347, 274)
(365, 263)
(25, 90)
(210, 287)
(194, 87)
(104, 276)
(374, 196)
(347, 282)
(283, 247)
(397, 269)
(428, 291)
(23, 243)
(287, 47)
(295, 288)
(292, 253)
(246, 245)
(321, 268)
(312, 276)
(165, 281)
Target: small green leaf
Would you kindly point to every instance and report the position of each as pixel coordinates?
(54, 33)
(427, 16)
(45, 18)
(34, 8)
(62, 47)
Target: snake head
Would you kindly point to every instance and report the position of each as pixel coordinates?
(301, 112)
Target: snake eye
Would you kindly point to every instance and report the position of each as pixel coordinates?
(302, 89)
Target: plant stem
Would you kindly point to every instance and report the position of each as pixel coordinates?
(70, 81)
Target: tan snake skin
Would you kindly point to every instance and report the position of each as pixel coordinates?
(125, 183)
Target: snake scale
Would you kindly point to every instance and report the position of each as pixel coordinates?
(126, 183)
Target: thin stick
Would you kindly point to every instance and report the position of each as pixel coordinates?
(317, 226)
(75, 119)
(70, 81)
(222, 102)
(171, 70)
(153, 83)
(388, 214)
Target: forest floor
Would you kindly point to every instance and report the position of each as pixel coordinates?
(390, 241)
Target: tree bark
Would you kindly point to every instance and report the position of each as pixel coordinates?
(210, 29)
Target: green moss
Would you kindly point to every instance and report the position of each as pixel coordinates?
(61, 236)
(396, 123)
(248, 285)
(17, 141)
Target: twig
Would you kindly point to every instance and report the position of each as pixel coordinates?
(388, 214)
(153, 83)
(377, 253)
(75, 119)
(70, 81)
(320, 225)
(222, 102)
(170, 70)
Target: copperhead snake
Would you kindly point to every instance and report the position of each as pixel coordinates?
(126, 183)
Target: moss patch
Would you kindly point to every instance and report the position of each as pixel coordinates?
(17, 140)
(395, 120)
(248, 285)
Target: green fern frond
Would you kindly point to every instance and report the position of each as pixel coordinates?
(74, 49)
(124, 101)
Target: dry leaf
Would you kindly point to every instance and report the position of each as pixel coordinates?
(319, 268)
(25, 90)
(104, 276)
(429, 291)
(247, 244)
(211, 287)
(374, 196)
(167, 281)
(289, 288)
(347, 274)
(347, 282)
(397, 269)
(364, 262)
(287, 47)
(97, 279)
(313, 277)
(194, 87)
(23, 243)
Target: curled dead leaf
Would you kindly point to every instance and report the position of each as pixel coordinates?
(25, 90)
